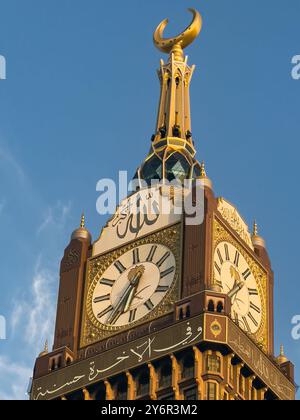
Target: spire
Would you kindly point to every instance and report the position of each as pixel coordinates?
(281, 358)
(175, 46)
(202, 170)
(172, 153)
(257, 240)
(82, 232)
(174, 118)
(255, 229)
(205, 181)
(82, 223)
(46, 350)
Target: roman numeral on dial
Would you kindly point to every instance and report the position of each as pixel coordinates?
(136, 256)
(102, 298)
(107, 282)
(253, 319)
(246, 274)
(247, 326)
(217, 267)
(237, 259)
(255, 308)
(167, 272)
(253, 292)
(105, 312)
(220, 257)
(120, 267)
(162, 289)
(152, 253)
(163, 259)
(226, 252)
(132, 315)
(149, 305)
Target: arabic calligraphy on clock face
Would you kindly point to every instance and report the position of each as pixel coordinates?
(134, 285)
(135, 215)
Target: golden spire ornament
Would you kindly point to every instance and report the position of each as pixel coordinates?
(82, 223)
(172, 151)
(255, 229)
(45, 351)
(257, 240)
(202, 170)
(281, 358)
(177, 44)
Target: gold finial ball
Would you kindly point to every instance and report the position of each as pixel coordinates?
(202, 170)
(45, 351)
(82, 232)
(282, 358)
(177, 44)
(257, 240)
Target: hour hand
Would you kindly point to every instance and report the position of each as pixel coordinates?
(134, 278)
(126, 300)
(236, 289)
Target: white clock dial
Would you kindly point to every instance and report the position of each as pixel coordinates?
(233, 274)
(134, 285)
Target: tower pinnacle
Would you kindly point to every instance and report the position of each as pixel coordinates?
(177, 44)
(172, 154)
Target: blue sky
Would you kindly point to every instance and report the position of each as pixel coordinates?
(79, 104)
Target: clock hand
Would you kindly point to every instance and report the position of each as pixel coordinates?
(236, 289)
(135, 282)
(134, 277)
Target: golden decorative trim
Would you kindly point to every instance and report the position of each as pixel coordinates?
(234, 219)
(93, 331)
(216, 328)
(261, 277)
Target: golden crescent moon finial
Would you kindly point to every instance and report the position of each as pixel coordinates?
(168, 45)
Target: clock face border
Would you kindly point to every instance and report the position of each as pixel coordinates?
(93, 331)
(222, 234)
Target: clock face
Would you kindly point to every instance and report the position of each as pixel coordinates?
(134, 285)
(233, 274)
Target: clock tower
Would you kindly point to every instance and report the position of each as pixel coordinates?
(167, 304)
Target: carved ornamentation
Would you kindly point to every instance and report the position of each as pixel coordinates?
(261, 276)
(92, 330)
(233, 218)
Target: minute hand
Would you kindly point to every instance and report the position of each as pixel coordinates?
(120, 308)
(235, 290)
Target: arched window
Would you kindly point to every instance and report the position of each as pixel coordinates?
(188, 367)
(165, 376)
(213, 363)
(143, 383)
(211, 391)
(220, 307)
(53, 365)
(181, 314)
(211, 306)
(121, 390)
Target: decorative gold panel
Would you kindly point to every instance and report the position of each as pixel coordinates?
(221, 235)
(92, 330)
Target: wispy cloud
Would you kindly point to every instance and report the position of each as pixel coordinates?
(7, 157)
(14, 379)
(34, 314)
(55, 216)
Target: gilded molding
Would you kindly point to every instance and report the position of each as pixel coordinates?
(92, 330)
